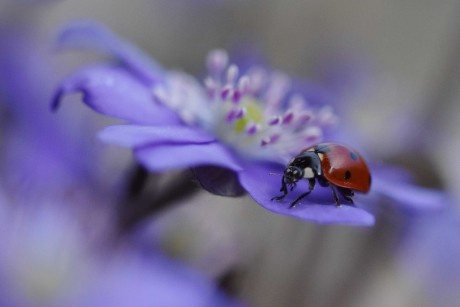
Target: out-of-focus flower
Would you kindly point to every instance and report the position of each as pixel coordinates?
(53, 250)
(48, 258)
(234, 128)
(430, 254)
(41, 153)
(23, 92)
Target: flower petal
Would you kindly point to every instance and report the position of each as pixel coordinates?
(150, 280)
(166, 157)
(318, 207)
(135, 136)
(409, 195)
(115, 92)
(94, 36)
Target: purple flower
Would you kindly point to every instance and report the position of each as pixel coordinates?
(57, 240)
(234, 128)
(430, 253)
(48, 257)
(34, 144)
(41, 153)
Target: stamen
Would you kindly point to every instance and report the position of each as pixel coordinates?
(270, 139)
(232, 73)
(240, 113)
(275, 138)
(265, 141)
(312, 139)
(243, 85)
(326, 116)
(288, 117)
(236, 96)
(230, 116)
(312, 134)
(252, 129)
(274, 121)
(257, 107)
(234, 114)
(211, 86)
(296, 102)
(226, 92)
(257, 78)
(304, 118)
(217, 61)
(278, 87)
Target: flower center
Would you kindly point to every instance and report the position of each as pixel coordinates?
(254, 115)
(255, 112)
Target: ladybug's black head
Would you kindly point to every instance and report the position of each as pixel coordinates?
(292, 174)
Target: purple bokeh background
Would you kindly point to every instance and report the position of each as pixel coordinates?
(63, 192)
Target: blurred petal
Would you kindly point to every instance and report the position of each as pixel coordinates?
(318, 207)
(430, 253)
(409, 195)
(152, 281)
(94, 36)
(165, 157)
(116, 93)
(48, 259)
(135, 136)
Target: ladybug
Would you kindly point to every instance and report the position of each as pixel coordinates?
(337, 166)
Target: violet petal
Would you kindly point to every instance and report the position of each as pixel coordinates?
(164, 157)
(409, 195)
(135, 136)
(115, 92)
(318, 207)
(151, 280)
(96, 37)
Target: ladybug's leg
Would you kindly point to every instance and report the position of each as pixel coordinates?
(336, 197)
(347, 194)
(349, 199)
(283, 189)
(311, 186)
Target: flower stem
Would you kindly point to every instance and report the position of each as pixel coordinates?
(148, 194)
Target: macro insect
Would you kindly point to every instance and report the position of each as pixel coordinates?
(337, 166)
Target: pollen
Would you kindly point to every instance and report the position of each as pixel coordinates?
(253, 115)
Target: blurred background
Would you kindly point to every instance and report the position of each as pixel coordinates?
(396, 67)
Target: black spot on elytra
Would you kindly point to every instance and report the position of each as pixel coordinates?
(322, 149)
(353, 155)
(347, 175)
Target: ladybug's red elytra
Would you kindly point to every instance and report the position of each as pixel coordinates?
(337, 166)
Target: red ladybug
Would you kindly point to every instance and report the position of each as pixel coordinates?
(337, 166)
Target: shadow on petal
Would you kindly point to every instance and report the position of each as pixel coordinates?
(218, 181)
